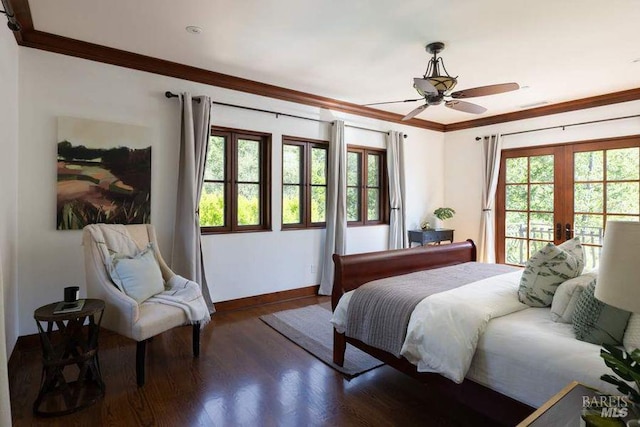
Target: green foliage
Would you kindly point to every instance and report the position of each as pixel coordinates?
(444, 213)
(626, 366)
(76, 214)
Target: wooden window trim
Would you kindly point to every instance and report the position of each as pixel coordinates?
(230, 180)
(307, 145)
(384, 186)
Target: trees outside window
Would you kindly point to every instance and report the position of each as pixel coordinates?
(367, 191)
(236, 191)
(304, 183)
(554, 193)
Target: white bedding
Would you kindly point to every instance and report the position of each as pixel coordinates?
(524, 355)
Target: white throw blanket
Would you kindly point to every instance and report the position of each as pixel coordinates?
(184, 294)
(444, 328)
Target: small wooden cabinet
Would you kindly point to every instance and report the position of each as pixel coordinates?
(430, 235)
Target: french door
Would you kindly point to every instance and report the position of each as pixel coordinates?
(556, 192)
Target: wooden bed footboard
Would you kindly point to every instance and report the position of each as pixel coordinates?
(353, 271)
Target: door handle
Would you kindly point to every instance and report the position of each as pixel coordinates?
(558, 231)
(567, 231)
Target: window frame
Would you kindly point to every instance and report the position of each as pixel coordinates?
(307, 145)
(232, 136)
(383, 180)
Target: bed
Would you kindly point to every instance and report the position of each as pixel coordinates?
(521, 360)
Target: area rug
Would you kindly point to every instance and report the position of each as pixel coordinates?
(310, 328)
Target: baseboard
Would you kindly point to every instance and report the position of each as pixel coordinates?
(28, 343)
(241, 303)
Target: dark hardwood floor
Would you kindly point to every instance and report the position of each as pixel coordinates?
(247, 375)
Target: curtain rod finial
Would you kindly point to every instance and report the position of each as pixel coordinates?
(478, 138)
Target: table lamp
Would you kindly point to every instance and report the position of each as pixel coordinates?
(618, 285)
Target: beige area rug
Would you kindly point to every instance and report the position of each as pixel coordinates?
(310, 328)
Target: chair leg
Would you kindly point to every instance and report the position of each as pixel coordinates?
(140, 352)
(196, 340)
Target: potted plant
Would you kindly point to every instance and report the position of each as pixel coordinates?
(443, 214)
(627, 368)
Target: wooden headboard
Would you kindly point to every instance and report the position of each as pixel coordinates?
(353, 271)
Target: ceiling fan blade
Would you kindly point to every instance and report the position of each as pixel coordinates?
(424, 86)
(485, 90)
(392, 102)
(415, 112)
(467, 107)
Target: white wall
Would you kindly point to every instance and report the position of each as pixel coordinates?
(238, 265)
(463, 157)
(8, 210)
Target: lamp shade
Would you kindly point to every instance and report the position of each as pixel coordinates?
(618, 281)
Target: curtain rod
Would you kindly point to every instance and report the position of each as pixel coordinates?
(478, 138)
(277, 114)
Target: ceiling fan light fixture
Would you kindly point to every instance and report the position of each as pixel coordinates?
(444, 84)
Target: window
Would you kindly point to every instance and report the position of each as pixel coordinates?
(554, 193)
(236, 191)
(304, 183)
(366, 187)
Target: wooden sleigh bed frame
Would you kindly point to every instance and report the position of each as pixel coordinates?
(353, 271)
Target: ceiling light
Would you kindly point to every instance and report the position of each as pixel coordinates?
(193, 29)
(443, 82)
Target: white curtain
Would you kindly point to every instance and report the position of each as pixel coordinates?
(5, 403)
(186, 257)
(336, 232)
(397, 195)
(491, 147)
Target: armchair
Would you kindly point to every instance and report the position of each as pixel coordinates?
(122, 313)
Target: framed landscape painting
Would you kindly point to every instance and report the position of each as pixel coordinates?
(104, 173)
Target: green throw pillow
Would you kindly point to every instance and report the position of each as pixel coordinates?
(547, 269)
(597, 322)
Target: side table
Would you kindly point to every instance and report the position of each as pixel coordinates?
(73, 346)
(430, 235)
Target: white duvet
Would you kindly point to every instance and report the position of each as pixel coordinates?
(444, 328)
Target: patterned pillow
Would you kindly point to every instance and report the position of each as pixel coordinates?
(597, 322)
(547, 269)
(567, 295)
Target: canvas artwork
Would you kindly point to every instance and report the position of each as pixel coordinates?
(104, 173)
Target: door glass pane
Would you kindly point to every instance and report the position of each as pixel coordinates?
(588, 166)
(534, 246)
(588, 197)
(622, 164)
(318, 166)
(541, 169)
(516, 224)
(291, 161)
(541, 226)
(248, 161)
(591, 256)
(212, 205)
(585, 225)
(248, 204)
(516, 170)
(623, 198)
(517, 197)
(291, 202)
(214, 168)
(542, 197)
(516, 251)
(318, 204)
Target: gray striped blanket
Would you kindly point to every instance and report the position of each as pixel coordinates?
(379, 311)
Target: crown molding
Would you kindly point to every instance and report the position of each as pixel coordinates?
(30, 37)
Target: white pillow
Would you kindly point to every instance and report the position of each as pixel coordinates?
(567, 295)
(138, 276)
(631, 339)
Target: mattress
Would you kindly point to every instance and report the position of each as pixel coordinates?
(526, 356)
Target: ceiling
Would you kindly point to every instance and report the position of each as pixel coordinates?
(364, 51)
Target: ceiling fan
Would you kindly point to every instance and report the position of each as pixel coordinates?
(436, 85)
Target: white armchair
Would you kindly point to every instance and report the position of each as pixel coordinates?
(122, 313)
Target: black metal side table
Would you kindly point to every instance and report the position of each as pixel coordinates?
(67, 352)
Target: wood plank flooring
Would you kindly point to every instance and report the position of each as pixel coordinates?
(247, 375)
